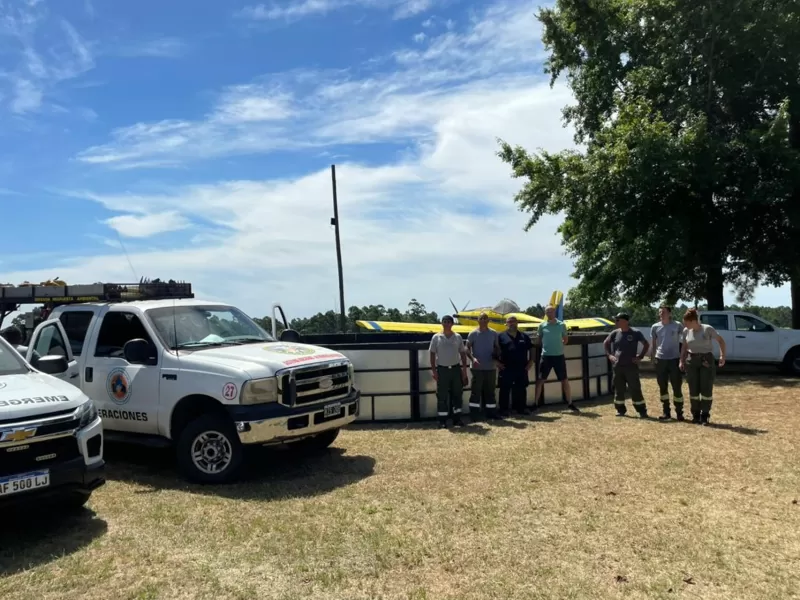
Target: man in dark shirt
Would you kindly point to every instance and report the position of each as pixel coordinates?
(621, 347)
(516, 359)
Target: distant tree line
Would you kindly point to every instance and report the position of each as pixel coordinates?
(328, 322)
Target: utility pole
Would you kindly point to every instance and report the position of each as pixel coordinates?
(335, 223)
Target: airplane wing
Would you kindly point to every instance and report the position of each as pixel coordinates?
(409, 327)
(587, 323)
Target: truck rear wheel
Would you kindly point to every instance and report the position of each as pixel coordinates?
(319, 442)
(791, 363)
(209, 450)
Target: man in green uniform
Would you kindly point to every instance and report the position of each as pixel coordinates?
(449, 368)
(665, 352)
(621, 347)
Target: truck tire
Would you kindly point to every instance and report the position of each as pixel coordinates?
(209, 450)
(791, 363)
(75, 501)
(318, 443)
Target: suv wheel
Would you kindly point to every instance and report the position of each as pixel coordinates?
(209, 450)
(791, 364)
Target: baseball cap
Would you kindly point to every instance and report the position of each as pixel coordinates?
(622, 315)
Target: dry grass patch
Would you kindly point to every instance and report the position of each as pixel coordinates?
(556, 506)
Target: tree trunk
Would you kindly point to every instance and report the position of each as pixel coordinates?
(715, 288)
(795, 287)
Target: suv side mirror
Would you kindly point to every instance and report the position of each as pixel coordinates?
(290, 335)
(139, 352)
(52, 365)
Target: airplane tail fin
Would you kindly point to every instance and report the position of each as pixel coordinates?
(557, 300)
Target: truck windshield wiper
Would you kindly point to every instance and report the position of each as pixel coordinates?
(245, 339)
(198, 345)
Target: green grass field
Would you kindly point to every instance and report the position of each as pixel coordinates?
(555, 506)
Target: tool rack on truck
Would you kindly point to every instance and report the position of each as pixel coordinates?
(165, 368)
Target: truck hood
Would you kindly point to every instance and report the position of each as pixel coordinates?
(256, 358)
(34, 394)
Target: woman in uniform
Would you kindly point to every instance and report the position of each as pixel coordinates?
(697, 359)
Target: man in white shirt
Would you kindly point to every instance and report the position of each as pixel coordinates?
(449, 367)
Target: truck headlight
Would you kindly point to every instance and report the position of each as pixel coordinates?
(87, 414)
(351, 375)
(260, 391)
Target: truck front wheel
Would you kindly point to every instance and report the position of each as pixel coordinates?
(209, 450)
(319, 442)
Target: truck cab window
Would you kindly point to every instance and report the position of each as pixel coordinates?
(746, 323)
(76, 324)
(116, 330)
(718, 322)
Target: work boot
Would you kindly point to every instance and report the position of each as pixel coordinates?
(457, 422)
(573, 408)
(679, 414)
(642, 413)
(442, 424)
(667, 414)
(704, 418)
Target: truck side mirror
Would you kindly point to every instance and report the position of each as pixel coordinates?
(290, 335)
(52, 365)
(139, 352)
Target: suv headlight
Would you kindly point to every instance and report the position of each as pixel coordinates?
(87, 414)
(260, 391)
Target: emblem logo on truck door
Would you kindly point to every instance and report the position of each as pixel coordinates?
(17, 435)
(118, 386)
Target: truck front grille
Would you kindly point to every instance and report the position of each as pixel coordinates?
(37, 455)
(309, 385)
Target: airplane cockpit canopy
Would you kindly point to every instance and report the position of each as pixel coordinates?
(506, 306)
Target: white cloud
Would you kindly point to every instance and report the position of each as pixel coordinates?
(165, 47)
(147, 225)
(419, 37)
(36, 74)
(303, 109)
(294, 11)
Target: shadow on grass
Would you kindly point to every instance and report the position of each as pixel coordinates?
(269, 473)
(760, 380)
(736, 428)
(31, 537)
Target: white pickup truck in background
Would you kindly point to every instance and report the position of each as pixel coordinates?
(751, 339)
(165, 369)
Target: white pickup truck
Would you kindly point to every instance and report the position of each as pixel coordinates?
(201, 376)
(751, 339)
(51, 438)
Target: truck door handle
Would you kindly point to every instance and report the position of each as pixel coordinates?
(88, 374)
(742, 336)
(74, 375)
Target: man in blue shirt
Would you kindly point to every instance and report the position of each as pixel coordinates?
(553, 335)
(516, 359)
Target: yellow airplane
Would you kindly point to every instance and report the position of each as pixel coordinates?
(467, 320)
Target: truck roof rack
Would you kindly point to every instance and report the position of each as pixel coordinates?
(56, 292)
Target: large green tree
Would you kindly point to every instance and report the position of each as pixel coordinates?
(676, 101)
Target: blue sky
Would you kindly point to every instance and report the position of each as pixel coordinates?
(194, 140)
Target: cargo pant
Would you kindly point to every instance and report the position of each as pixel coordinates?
(627, 376)
(449, 392)
(668, 371)
(482, 395)
(513, 386)
(701, 371)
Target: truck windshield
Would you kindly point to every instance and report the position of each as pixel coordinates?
(10, 362)
(203, 326)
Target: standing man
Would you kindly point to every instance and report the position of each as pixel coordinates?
(621, 347)
(483, 349)
(516, 359)
(449, 368)
(665, 353)
(553, 334)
